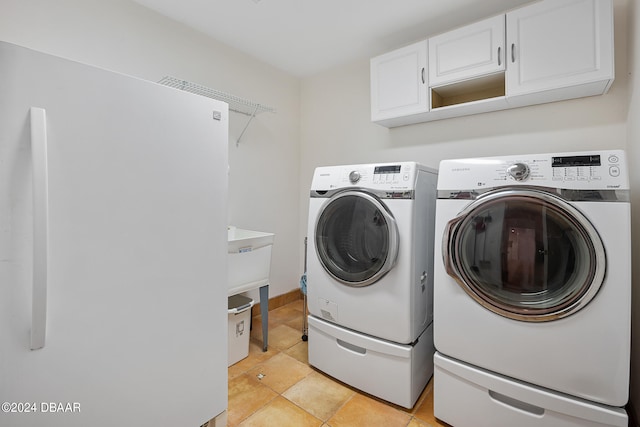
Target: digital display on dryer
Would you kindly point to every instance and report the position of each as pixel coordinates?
(387, 169)
(569, 161)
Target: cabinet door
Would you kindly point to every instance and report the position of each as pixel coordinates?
(470, 51)
(399, 82)
(559, 43)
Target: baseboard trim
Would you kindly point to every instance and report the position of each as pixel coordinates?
(279, 301)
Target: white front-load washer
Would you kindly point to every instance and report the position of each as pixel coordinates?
(532, 290)
(370, 251)
(370, 276)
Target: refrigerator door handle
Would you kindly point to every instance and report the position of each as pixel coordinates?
(40, 226)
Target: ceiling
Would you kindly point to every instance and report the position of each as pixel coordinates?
(304, 37)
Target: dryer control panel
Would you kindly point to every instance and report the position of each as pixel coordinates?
(585, 167)
(580, 171)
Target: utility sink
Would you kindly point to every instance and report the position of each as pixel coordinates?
(249, 259)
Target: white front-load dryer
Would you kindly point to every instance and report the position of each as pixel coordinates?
(370, 277)
(532, 289)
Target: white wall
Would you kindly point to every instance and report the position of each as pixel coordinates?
(122, 36)
(633, 151)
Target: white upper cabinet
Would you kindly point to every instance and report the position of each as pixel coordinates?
(399, 82)
(546, 51)
(468, 52)
(559, 44)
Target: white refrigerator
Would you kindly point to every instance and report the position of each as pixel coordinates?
(113, 248)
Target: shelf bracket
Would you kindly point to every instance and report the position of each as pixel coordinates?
(255, 110)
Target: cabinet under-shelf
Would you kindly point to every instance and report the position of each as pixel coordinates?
(476, 89)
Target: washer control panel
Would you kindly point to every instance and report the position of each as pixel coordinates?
(594, 170)
(400, 176)
(385, 176)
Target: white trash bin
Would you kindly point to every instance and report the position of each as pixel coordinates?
(239, 310)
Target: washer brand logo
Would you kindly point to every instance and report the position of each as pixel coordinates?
(460, 169)
(613, 186)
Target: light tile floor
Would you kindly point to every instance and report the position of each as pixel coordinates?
(279, 388)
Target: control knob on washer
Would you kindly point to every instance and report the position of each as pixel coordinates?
(354, 177)
(519, 171)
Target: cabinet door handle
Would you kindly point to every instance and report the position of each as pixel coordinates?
(422, 73)
(513, 52)
(499, 56)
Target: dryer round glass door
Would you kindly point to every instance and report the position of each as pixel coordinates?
(525, 254)
(356, 238)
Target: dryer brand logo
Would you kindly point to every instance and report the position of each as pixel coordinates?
(613, 186)
(460, 169)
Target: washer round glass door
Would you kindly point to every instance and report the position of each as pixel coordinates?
(525, 254)
(356, 238)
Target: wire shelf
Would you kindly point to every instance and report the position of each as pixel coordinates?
(237, 104)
